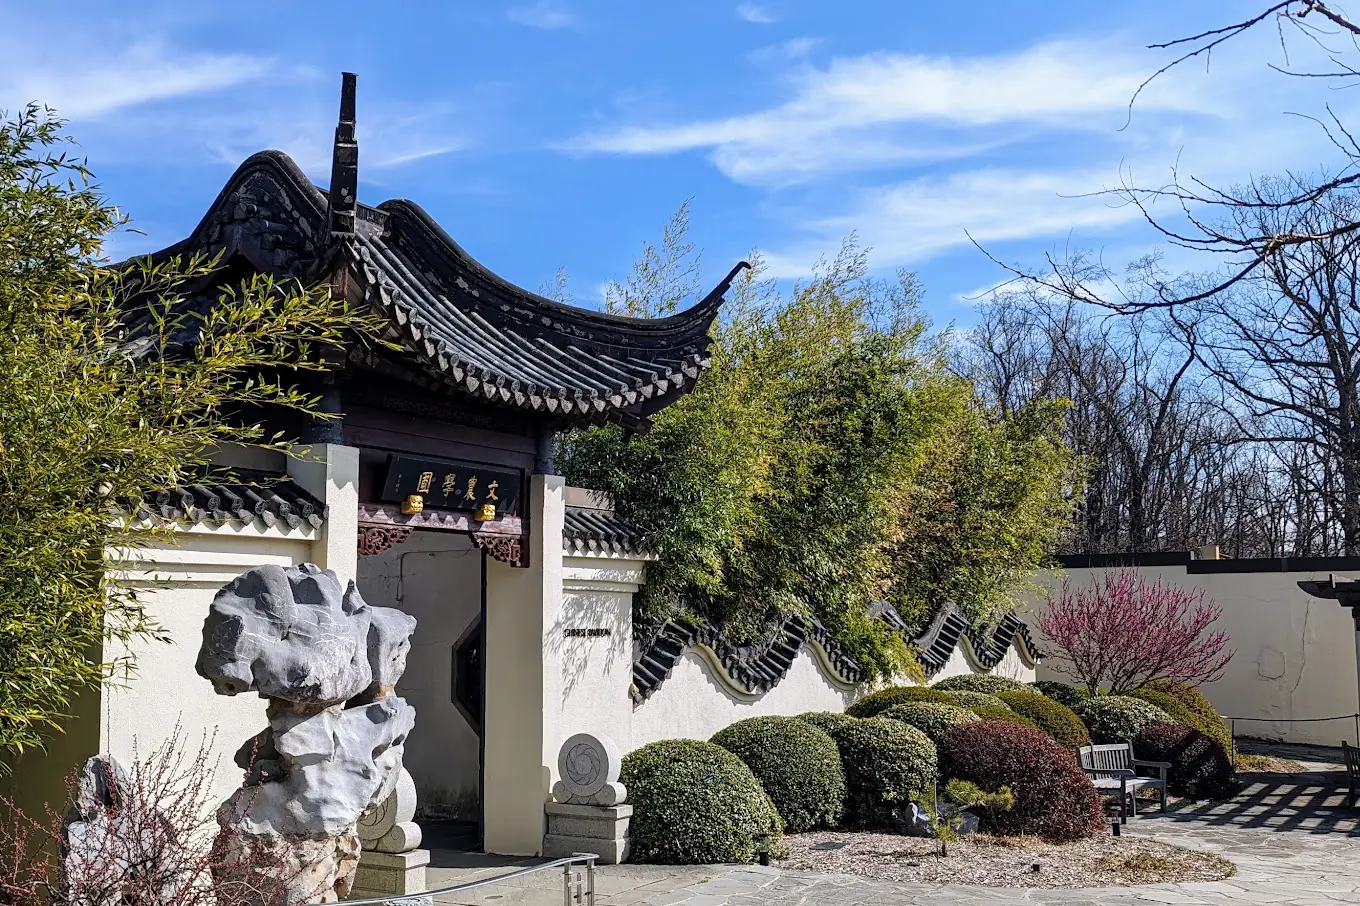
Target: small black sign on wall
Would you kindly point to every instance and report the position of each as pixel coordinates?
(451, 485)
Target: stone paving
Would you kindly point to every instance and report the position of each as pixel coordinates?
(1292, 837)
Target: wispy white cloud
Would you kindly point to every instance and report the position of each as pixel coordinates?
(752, 12)
(784, 52)
(102, 83)
(912, 221)
(863, 107)
(388, 137)
(549, 15)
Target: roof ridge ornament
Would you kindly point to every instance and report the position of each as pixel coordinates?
(343, 197)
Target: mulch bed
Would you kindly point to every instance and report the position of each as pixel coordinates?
(1103, 861)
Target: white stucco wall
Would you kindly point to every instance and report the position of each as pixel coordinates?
(177, 583)
(436, 577)
(1295, 654)
(523, 680)
(696, 701)
(1011, 665)
(595, 671)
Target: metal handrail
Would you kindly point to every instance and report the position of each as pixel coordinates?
(573, 890)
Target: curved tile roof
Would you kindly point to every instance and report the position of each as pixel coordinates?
(758, 668)
(452, 318)
(241, 502)
(586, 530)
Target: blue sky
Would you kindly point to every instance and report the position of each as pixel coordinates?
(563, 133)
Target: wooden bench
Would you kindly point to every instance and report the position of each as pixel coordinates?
(1351, 756)
(1112, 770)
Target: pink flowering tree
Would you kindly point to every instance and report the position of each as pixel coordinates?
(1123, 633)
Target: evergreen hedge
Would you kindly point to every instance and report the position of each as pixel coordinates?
(931, 718)
(797, 764)
(695, 803)
(1054, 718)
(887, 766)
(875, 702)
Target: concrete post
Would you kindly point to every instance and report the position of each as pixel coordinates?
(330, 472)
(523, 680)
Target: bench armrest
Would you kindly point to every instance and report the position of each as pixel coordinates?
(1161, 767)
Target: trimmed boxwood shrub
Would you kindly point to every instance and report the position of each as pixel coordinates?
(1178, 712)
(1054, 718)
(1118, 718)
(1063, 693)
(1053, 798)
(931, 718)
(979, 682)
(887, 765)
(797, 764)
(875, 702)
(1005, 715)
(1200, 767)
(1207, 719)
(825, 720)
(694, 803)
(976, 700)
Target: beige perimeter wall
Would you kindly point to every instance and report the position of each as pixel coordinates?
(1295, 654)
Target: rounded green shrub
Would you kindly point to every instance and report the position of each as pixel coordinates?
(1005, 715)
(1053, 798)
(1118, 718)
(1054, 718)
(979, 682)
(1178, 712)
(931, 718)
(887, 766)
(695, 803)
(1207, 721)
(965, 699)
(871, 704)
(825, 720)
(797, 764)
(1063, 693)
(1200, 767)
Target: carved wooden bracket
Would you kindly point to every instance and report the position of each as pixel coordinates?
(374, 539)
(505, 548)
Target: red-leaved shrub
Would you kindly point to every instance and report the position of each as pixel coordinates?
(1200, 766)
(1053, 798)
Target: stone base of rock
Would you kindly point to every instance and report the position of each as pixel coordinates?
(598, 829)
(316, 869)
(381, 874)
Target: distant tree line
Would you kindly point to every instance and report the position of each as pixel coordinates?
(1214, 408)
(1229, 417)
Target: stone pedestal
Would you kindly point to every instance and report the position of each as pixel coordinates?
(383, 874)
(599, 829)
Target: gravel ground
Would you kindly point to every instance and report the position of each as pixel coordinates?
(1003, 861)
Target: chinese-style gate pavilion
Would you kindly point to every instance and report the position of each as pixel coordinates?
(450, 430)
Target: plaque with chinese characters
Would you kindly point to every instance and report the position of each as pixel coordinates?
(452, 485)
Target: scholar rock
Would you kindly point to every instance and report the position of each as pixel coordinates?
(328, 769)
(328, 664)
(291, 633)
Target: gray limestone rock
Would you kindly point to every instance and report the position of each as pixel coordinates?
(389, 641)
(332, 767)
(329, 665)
(115, 851)
(291, 633)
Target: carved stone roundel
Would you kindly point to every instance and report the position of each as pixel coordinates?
(397, 808)
(587, 763)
